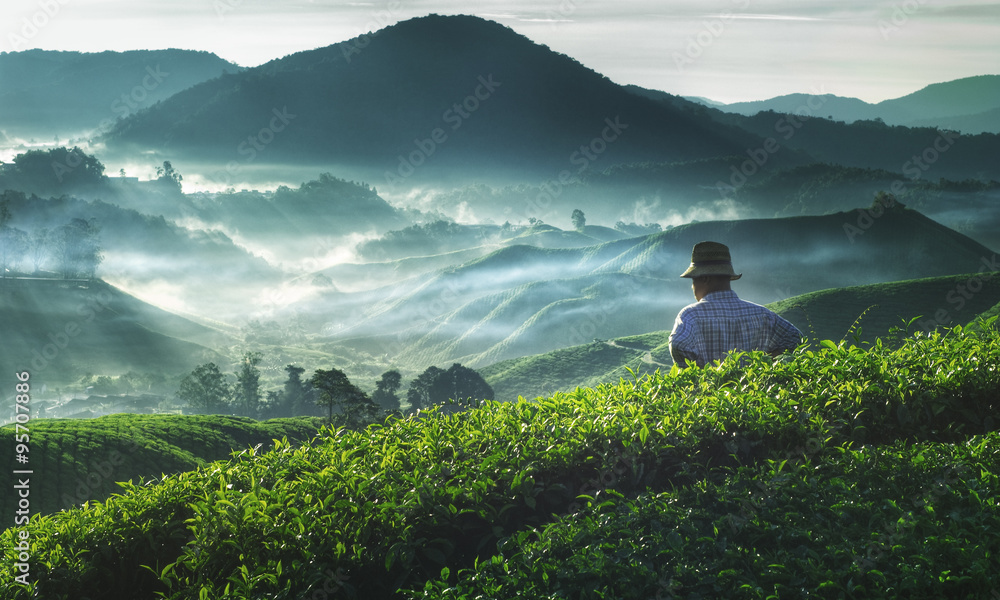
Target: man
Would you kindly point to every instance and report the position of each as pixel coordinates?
(719, 322)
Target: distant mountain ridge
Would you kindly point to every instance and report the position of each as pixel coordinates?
(428, 96)
(970, 105)
(49, 92)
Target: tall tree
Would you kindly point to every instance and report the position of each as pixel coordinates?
(336, 390)
(14, 245)
(205, 389)
(78, 248)
(422, 391)
(248, 383)
(38, 248)
(385, 390)
(579, 221)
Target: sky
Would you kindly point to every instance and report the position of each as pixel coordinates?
(724, 50)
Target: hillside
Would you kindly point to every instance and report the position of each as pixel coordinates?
(80, 460)
(428, 97)
(857, 313)
(969, 105)
(915, 153)
(938, 302)
(68, 94)
(521, 300)
(856, 473)
(151, 255)
(60, 330)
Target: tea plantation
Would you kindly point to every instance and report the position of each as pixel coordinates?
(76, 460)
(835, 472)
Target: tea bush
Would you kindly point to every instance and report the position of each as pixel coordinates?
(819, 471)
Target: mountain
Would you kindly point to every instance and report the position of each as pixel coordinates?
(523, 300)
(428, 95)
(970, 105)
(47, 93)
(59, 330)
(914, 153)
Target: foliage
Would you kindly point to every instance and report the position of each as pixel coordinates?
(80, 460)
(335, 390)
(205, 389)
(837, 471)
(247, 390)
(436, 386)
(385, 390)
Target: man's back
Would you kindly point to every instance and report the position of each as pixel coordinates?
(721, 323)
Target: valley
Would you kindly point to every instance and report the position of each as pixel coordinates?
(388, 319)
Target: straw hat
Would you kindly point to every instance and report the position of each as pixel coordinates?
(711, 258)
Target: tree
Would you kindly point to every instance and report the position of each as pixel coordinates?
(385, 390)
(436, 386)
(579, 221)
(38, 248)
(14, 245)
(58, 169)
(205, 389)
(78, 248)
(168, 176)
(247, 389)
(422, 392)
(336, 390)
(298, 396)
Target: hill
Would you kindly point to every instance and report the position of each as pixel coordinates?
(522, 300)
(969, 105)
(67, 94)
(150, 255)
(857, 313)
(81, 460)
(862, 473)
(60, 330)
(428, 97)
(930, 303)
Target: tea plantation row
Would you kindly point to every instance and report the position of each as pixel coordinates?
(76, 460)
(839, 471)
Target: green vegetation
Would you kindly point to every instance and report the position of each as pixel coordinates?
(80, 460)
(839, 471)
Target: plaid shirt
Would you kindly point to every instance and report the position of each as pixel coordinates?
(720, 323)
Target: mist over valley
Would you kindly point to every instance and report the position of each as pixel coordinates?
(453, 192)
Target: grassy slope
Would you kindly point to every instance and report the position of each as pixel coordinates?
(67, 329)
(76, 460)
(839, 471)
(937, 301)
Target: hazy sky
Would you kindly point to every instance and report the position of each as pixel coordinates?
(727, 50)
